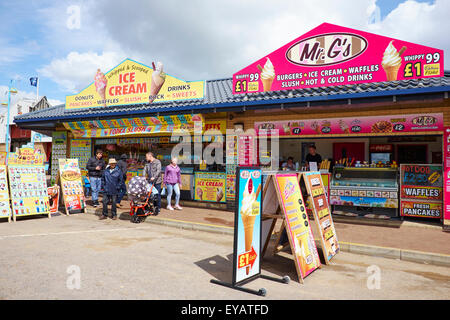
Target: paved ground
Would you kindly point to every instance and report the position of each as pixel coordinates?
(120, 260)
(415, 234)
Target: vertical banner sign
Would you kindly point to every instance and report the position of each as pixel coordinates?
(3, 157)
(322, 214)
(81, 149)
(5, 210)
(421, 190)
(246, 150)
(71, 184)
(59, 151)
(247, 224)
(446, 177)
(298, 227)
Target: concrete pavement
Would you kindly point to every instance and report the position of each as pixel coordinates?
(120, 260)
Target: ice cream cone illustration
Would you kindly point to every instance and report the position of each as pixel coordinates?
(101, 82)
(316, 126)
(300, 253)
(392, 61)
(158, 79)
(249, 212)
(344, 127)
(267, 75)
(219, 194)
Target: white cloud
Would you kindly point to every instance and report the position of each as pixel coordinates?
(77, 70)
(55, 102)
(211, 39)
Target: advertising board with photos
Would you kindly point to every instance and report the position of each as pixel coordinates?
(421, 190)
(332, 55)
(247, 226)
(71, 183)
(59, 151)
(298, 226)
(5, 209)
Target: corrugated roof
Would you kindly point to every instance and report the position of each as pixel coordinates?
(219, 95)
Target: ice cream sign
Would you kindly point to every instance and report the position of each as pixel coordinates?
(330, 55)
(134, 83)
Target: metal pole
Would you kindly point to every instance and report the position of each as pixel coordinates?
(7, 120)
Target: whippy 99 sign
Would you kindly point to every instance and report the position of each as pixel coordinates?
(331, 55)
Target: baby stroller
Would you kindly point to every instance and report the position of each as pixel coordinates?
(142, 196)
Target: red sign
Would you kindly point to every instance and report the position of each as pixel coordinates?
(331, 55)
(247, 259)
(381, 148)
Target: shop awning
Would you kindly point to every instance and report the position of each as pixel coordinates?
(135, 126)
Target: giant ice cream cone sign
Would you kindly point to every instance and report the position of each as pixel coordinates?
(331, 55)
(247, 223)
(132, 83)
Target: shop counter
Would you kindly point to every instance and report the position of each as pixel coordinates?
(365, 190)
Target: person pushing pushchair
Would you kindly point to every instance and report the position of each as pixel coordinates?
(142, 195)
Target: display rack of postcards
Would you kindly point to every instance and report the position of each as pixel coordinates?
(59, 151)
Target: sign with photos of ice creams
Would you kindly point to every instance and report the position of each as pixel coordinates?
(132, 83)
(331, 55)
(247, 226)
(298, 227)
(322, 214)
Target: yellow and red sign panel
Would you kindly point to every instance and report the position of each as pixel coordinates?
(298, 226)
(133, 83)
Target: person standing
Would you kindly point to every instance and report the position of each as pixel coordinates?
(313, 156)
(289, 164)
(112, 178)
(172, 180)
(95, 167)
(123, 166)
(152, 171)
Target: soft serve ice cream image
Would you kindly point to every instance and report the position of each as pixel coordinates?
(392, 61)
(100, 83)
(158, 79)
(250, 209)
(267, 75)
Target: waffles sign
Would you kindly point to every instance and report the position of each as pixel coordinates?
(133, 83)
(330, 55)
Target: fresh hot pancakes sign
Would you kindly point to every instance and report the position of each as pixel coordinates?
(133, 83)
(330, 55)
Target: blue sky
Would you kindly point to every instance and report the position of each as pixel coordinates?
(195, 39)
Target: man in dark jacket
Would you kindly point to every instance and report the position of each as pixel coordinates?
(152, 171)
(112, 178)
(95, 167)
(123, 166)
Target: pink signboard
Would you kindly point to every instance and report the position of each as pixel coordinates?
(331, 55)
(446, 159)
(405, 123)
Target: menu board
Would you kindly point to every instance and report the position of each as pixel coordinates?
(5, 210)
(210, 186)
(81, 149)
(246, 150)
(72, 185)
(247, 226)
(28, 190)
(421, 192)
(59, 151)
(322, 214)
(298, 227)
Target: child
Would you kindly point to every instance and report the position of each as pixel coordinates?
(87, 186)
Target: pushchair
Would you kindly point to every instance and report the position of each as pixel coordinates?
(142, 196)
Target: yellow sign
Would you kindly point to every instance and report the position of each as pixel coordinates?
(210, 186)
(134, 83)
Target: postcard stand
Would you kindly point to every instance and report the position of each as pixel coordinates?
(238, 254)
